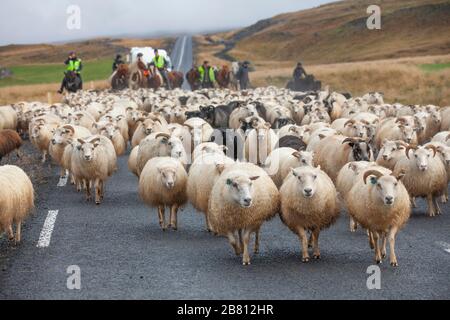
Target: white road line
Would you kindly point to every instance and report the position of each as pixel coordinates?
(182, 52)
(444, 245)
(47, 229)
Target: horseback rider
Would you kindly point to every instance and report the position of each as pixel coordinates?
(73, 65)
(117, 62)
(207, 75)
(161, 64)
(242, 75)
(299, 73)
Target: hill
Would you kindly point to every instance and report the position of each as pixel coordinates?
(337, 32)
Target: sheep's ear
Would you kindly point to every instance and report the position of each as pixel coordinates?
(401, 175)
(80, 141)
(229, 182)
(296, 154)
(293, 172)
(220, 167)
(254, 178)
(267, 125)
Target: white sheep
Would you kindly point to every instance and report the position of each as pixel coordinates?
(163, 183)
(16, 200)
(308, 203)
(382, 206)
(242, 199)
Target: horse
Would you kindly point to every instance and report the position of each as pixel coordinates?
(193, 78)
(176, 79)
(138, 75)
(155, 80)
(120, 78)
(223, 77)
(72, 81)
(234, 81)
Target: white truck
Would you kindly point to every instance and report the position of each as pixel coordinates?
(148, 55)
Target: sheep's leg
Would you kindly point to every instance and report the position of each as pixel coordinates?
(246, 240)
(232, 240)
(436, 206)
(88, 190)
(97, 191)
(18, 154)
(173, 217)
(162, 218)
(376, 239)
(257, 238)
(102, 190)
(304, 240)
(310, 241)
(371, 240)
(44, 157)
(315, 237)
(18, 232)
(393, 257)
(208, 225)
(72, 179)
(413, 202)
(444, 197)
(353, 225)
(431, 211)
(241, 241)
(383, 246)
(10, 232)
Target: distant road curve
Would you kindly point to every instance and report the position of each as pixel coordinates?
(182, 56)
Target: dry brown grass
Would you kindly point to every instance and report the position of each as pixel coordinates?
(40, 92)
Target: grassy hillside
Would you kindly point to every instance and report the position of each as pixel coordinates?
(337, 32)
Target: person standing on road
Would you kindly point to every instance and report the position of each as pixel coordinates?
(117, 62)
(73, 65)
(161, 64)
(243, 77)
(207, 75)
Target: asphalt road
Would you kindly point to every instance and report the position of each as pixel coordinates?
(182, 56)
(123, 254)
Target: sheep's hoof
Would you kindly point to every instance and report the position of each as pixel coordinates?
(383, 255)
(317, 256)
(305, 260)
(175, 228)
(97, 203)
(379, 261)
(246, 263)
(256, 251)
(394, 264)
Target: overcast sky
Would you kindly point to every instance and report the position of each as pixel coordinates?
(43, 21)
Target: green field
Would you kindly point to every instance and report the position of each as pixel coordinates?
(51, 73)
(434, 67)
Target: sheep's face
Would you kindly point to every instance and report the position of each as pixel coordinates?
(176, 148)
(109, 131)
(197, 135)
(133, 116)
(420, 121)
(422, 157)
(241, 189)
(306, 180)
(168, 176)
(387, 188)
(408, 133)
(388, 148)
(61, 135)
(436, 117)
(357, 129)
(87, 149)
(301, 132)
(36, 132)
(148, 127)
(305, 158)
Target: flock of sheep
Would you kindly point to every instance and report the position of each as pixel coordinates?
(241, 158)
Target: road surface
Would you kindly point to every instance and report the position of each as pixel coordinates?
(182, 56)
(122, 253)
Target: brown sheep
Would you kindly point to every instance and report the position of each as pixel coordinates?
(9, 141)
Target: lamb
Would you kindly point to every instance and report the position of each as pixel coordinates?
(308, 203)
(93, 162)
(40, 136)
(159, 144)
(242, 199)
(390, 153)
(9, 141)
(163, 183)
(425, 175)
(382, 206)
(280, 161)
(203, 173)
(343, 150)
(112, 132)
(16, 200)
